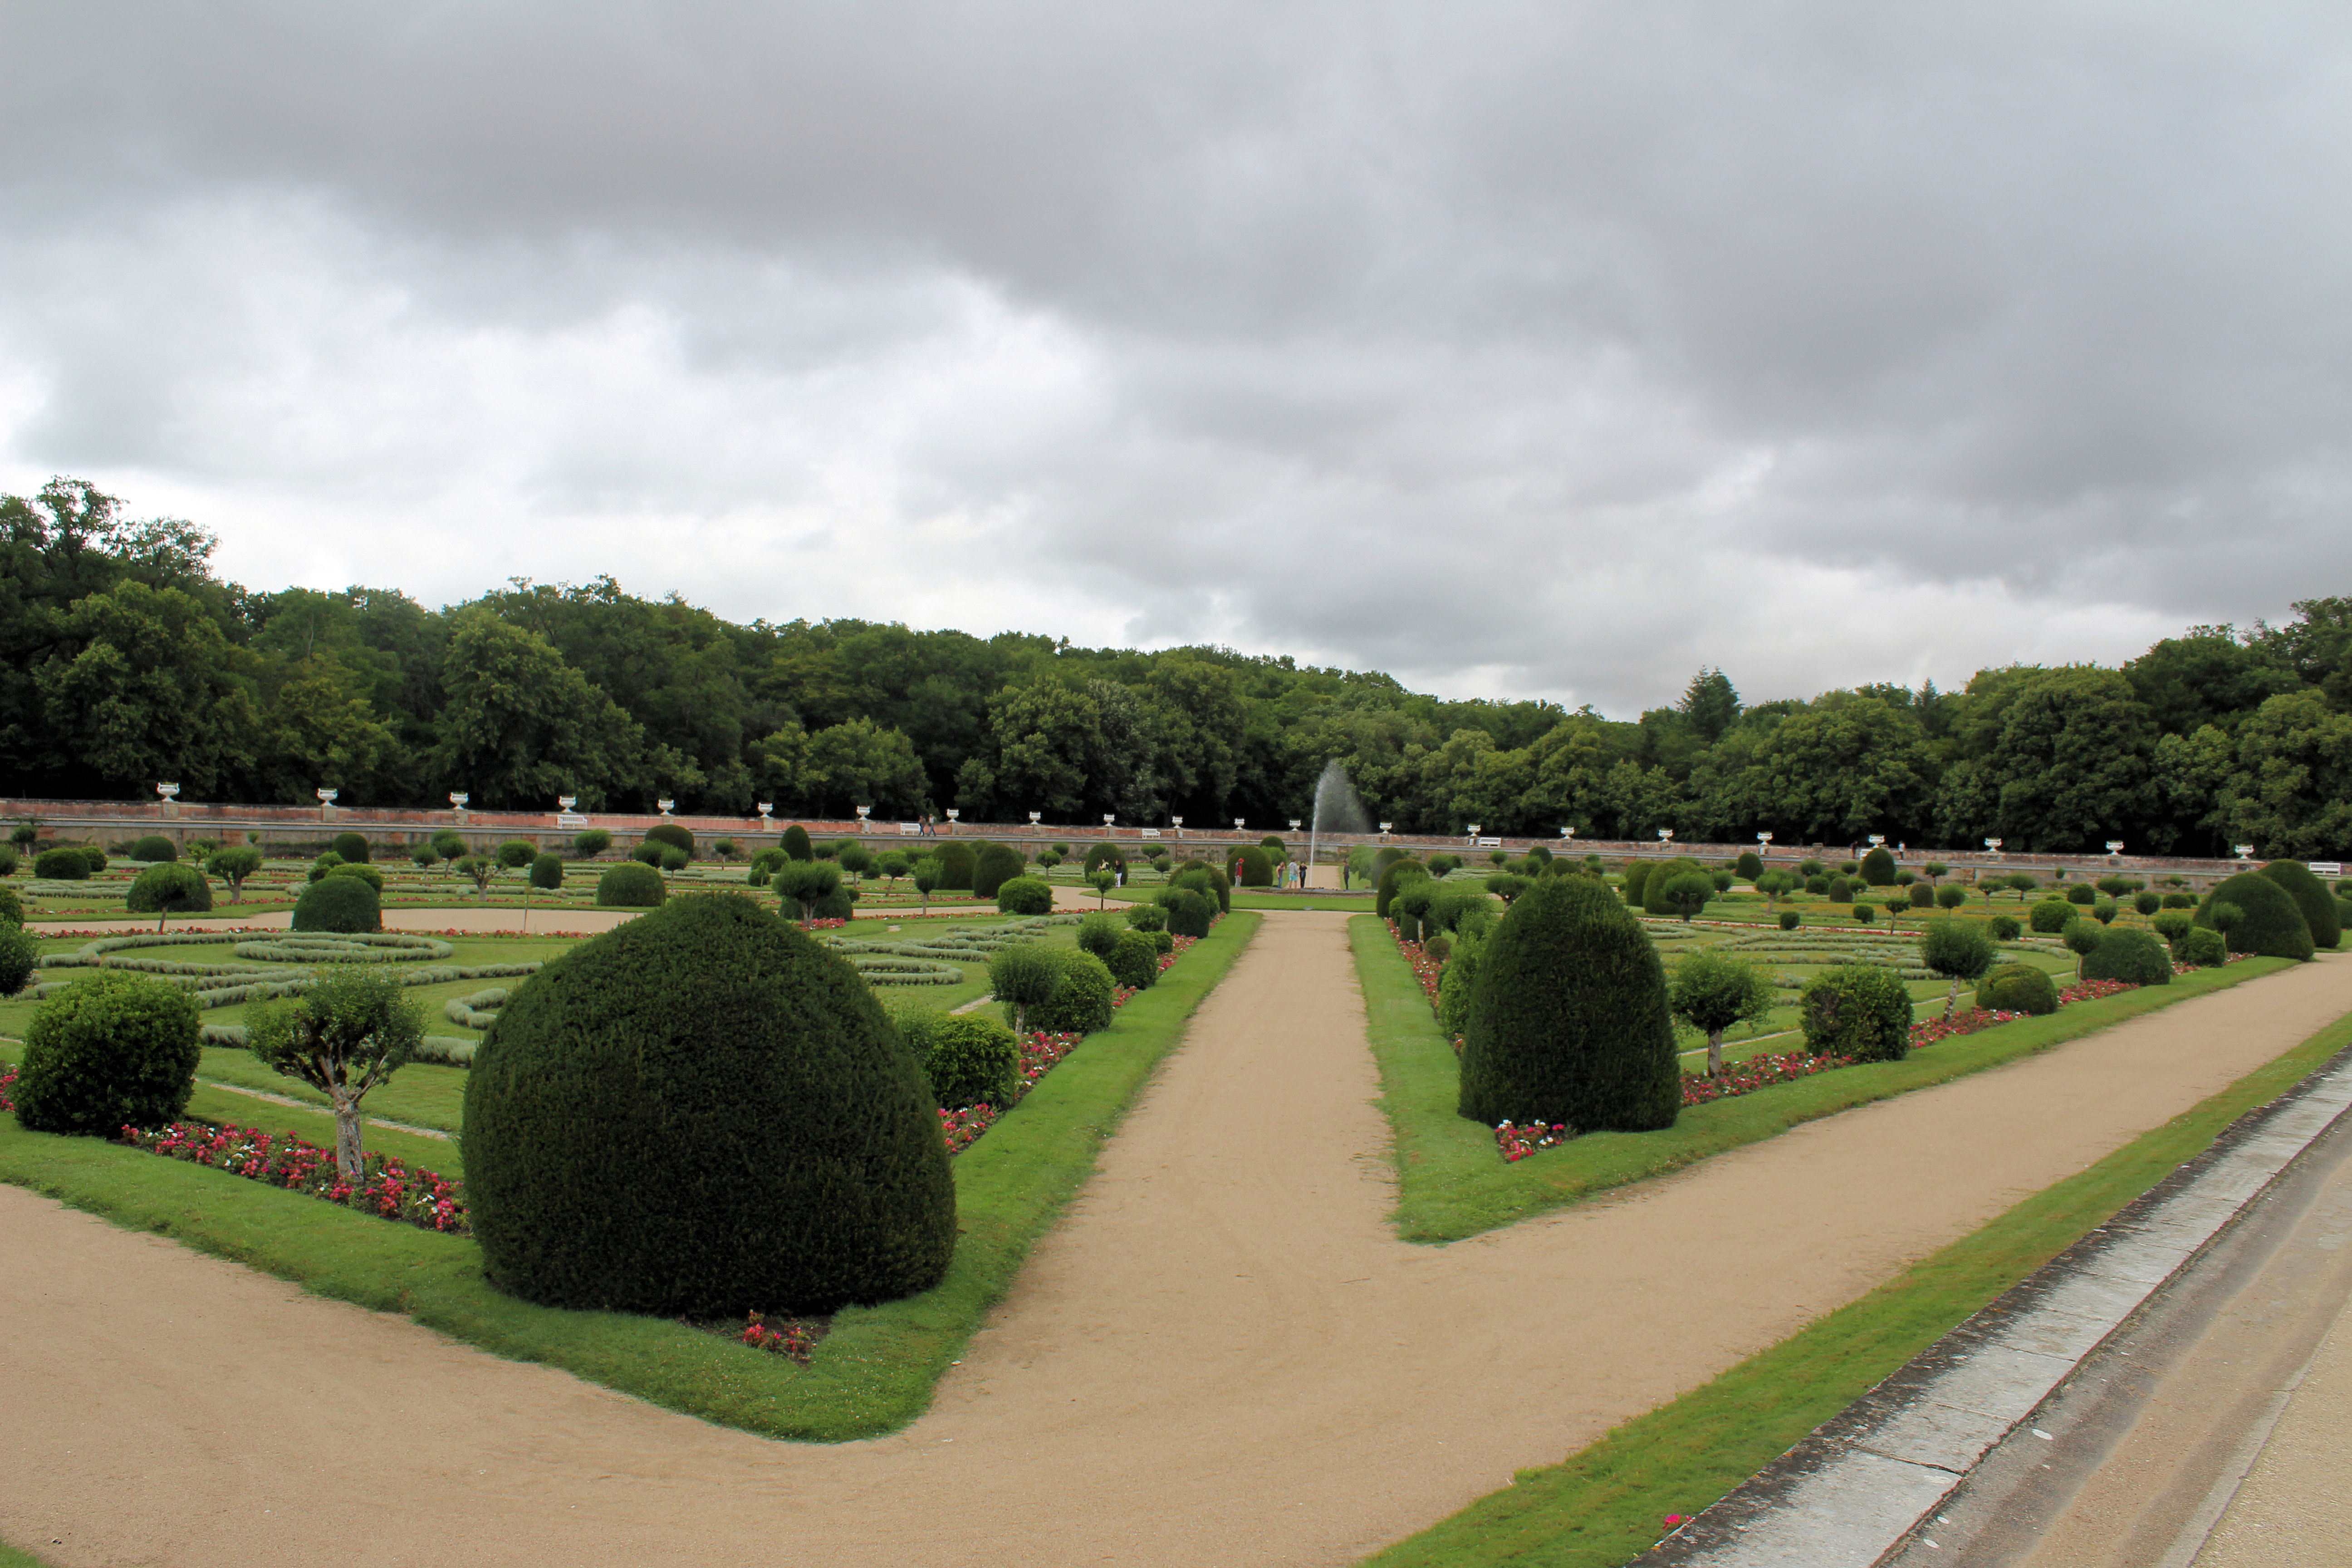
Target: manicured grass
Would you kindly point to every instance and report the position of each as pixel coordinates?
(1452, 1183)
(1603, 1504)
(11, 1558)
(874, 1372)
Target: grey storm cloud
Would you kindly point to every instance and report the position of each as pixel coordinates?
(1515, 348)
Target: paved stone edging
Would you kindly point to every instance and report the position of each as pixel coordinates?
(1856, 1489)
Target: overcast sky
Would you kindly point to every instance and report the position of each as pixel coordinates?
(1518, 348)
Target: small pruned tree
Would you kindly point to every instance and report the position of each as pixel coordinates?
(1774, 885)
(1022, 977)
(2081, 937)
(892, 864)
(1952, 896)
(450, 844)
(166, 889)
(591, 843)
(344, 1036)
(928, 873)
(1957, 950)
(1710, 990)
(1934, 871)
(233, 865)
(1687, 894)
(482, 869)
(2023, 882)
(1101, 879)
(806, 883)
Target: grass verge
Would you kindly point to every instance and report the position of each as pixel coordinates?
(1452, 1183)
(872, 1373)
(1603, 1504)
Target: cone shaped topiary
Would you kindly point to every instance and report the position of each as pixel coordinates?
(704, 1113)
(2269, 922)
(1568, 1020)
(2312, 897)
(996, 865)
(339, 904)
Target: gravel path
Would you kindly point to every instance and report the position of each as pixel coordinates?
(1221, 1356)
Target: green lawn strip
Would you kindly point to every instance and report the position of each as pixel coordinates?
(1453, 1184)
(874, 1372)
(1606, 1503)
(10, 1557)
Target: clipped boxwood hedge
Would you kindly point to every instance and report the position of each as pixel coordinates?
(2018, 988)
(153, 849)
(702, 1113)
(966, 1060)
(2131, 955)
(339, 904)
(1134, 959)
(631, 885)
(1025, 896)
(1081, 1001)
(110, 1051)
(1856, 1010)
(61, 863)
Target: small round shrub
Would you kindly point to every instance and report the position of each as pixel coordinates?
(2018, 988)
(12, 909)
(1134, 960)
(2082, 894)
(2179, 901)
(1161, 940)
(673, 834)
(1655, 898)
(1081, 1001)
(1790, 920)
(1841, 891)
(1098, 932)
(797, 845)
(368, 874)
(591, 843)
(352, 846)
(61, 863)
(649, 853)
(2204, 947)
(1257, 869)
(1147, 917)
(2131, 955)
(339, 904)
(1819, 886)
(547, 873)
(1750, 865)
(966, 1060)
(1856, 1010)
(840, 904)
(2049, 916)
(2146, 902)
(1568, 1022)
(2312, 897)
(1878, 868)
(2003, 928)
(2103, 911)
(673, 858)
(516, 853)
(1189, 913)
(958, 867)
(2173, 924)
(702, 1113)
(168, 888)
(19, 957)
(1636, 881)
(1220, 887)
(1025, 896)
(108, 1052)
(153, 848)
(1101, 855)
(631, 885)
(324, 864)
(2270, 922)
(996, 865)
(1922, 896)
(1864, 913)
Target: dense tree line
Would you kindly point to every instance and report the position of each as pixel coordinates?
(127, 661)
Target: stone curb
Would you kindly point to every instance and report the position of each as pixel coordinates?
(1852, 1493)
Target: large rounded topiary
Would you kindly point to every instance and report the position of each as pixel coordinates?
(61, 863)
(352, 846)
(1878, 866)
(1255, 867)
(676, 835)
(1654, 900)
(2131, 955)
(1081, 1001)
(1101, 855)
(2018, 988)
(1856, 1010)
(108, 1052)
(797, 845)
(968, 1060)
(2049, 915)
(958, 866)
(1025, 896)
(2312, 897)
(702, 1113)
(1569, 1020)
(996, 865)
(2269, 921)
(167, 889)
(338, 903)
(152, 849)
(1134, 960)
(631, 885)
(1188, 913)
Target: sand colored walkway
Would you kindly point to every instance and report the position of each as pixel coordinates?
(1219, 1357)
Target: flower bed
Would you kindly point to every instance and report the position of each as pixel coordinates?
(1757, 1072)
(388, 1189)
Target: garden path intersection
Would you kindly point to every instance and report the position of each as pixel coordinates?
(1220, 1355)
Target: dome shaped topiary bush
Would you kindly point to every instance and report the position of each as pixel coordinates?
(9, 860)
(967, 1060)
(2269, 921)
(1819, 886)
(339, 904)
(2147, 903)
(1081, 1001)
(996, 865)
(2131, 955)
(1840, 891)
(1878, 866)
(1147, 917)
(1189, 913)
(1101, 855)
(1098, 932)
(2083, 895)
(840, 904)
(1856, 1010)
(958, 866)
(111, 1051)
(1748, 864)
(12, 911)
(1790, 920)
(674, 834)
(703, 1113)
(20, 955)
(2018, 988)
(365, 873)
(1134, 960)
(1256, 870)
(1655, 898)
(1025, 896)
(797, 845)
(631, 885)
(2049, 916)
(2204, 947)
(1923, 896)
(152, 849)
(2004, 928)
(166, 889)
(352, 846)
(2312, 897)
(61, 863)
(547, 873)
(1399, 873)
(1569, 1020)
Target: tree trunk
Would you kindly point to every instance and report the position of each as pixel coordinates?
(350, 1159)
(1714, 1053)
(1952, 998)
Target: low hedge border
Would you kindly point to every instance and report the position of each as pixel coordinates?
(872, 1373)
(1602, 1506)
(1450, 1185)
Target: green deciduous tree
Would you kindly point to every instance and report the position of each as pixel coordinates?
(1711, 991)
(346, 1034)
